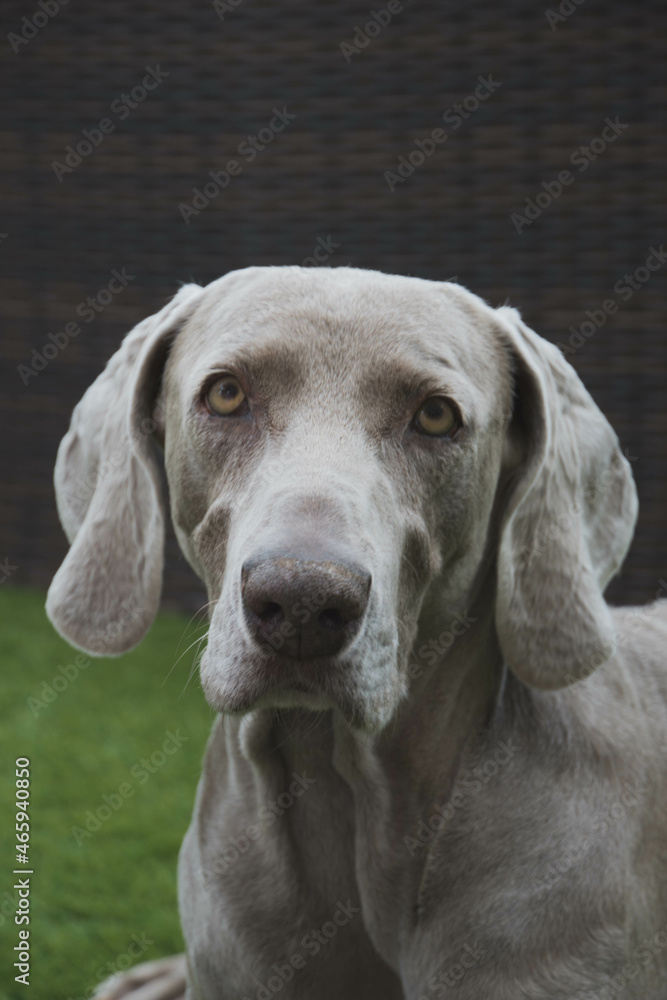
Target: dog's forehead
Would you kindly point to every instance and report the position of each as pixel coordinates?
(343, 321)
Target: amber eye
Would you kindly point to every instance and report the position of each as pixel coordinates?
(225, 396)
(436, 418)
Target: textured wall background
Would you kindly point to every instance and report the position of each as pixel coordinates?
(223, 72)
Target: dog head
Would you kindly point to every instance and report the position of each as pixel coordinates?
(347, 453)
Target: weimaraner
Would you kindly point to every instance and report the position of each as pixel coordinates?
(439, 763)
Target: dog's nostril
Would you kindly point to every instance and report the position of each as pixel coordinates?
(272, 612)
(331, 619)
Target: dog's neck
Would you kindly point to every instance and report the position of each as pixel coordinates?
(376, 790)
(389, 785)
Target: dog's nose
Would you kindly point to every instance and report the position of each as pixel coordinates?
(304, 608)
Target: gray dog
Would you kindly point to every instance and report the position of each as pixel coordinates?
(439, 762)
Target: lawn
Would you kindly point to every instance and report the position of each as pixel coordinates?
(115, 750)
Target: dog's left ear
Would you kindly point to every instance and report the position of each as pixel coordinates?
(106, 593)
(568, 522)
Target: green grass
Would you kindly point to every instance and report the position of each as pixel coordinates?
(88, 900)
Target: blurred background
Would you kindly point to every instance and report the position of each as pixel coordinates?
(115, 113)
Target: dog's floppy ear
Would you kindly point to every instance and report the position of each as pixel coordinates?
(105, 595)
(568, 522)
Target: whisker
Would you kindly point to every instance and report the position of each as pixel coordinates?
(194, 668)
(200, 611)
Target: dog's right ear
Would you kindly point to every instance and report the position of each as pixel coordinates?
(105, 595)
(568, 523)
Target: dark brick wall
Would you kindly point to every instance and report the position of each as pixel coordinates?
(324, 176)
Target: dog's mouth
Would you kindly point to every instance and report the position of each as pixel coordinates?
(326, 651)
(276, 682)
(277, 679)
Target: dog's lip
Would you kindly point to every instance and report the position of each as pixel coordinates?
(287, 695)
(280, 684)
(278, 680)
(297, 685)
(286, 680)
(288, 671)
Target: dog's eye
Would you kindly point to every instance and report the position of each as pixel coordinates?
(436, 418)
(225, 396)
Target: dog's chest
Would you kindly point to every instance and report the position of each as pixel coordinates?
(268, 878)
